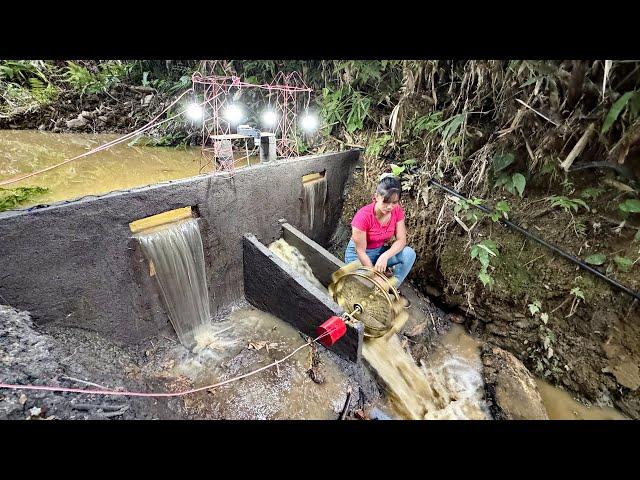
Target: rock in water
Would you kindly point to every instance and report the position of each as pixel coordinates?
(510, 387)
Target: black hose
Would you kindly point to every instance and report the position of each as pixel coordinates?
(528, 234)
(621, 170)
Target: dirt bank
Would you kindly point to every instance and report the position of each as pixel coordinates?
(122, 109)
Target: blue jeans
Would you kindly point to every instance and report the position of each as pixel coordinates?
(400, 263)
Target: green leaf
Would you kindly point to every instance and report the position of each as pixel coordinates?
(489, 247)
(485, 278)
(12, 197)
(634, 104)
(411, 161)
(595, 259)
(529, 82)
(623, 263)
(534, 308)
(613, 114)
(375, 146)
(500, 210)
(502, 161)
(636, 237)
(519, 182)
(592, 193)
(577, 292)
(630, 205)
(452, 127)
(503, 180)
(396, 170)
(544, 317)
(484, 259)
(503, 206)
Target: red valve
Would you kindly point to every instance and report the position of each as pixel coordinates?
(335, 327)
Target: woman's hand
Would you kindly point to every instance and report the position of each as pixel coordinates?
(381, 264)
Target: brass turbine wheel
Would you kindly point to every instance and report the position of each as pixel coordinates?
(368, 296)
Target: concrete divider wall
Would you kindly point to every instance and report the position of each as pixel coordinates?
(77, 264)
(273, 286)
(322, 263)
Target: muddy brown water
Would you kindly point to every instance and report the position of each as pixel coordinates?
(247, 340)
(176, 252)
(118, 168)
(562, 406)
(448, 386)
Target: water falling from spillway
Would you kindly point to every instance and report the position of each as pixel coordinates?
(449, 385)
(314, 200)
(176, 253)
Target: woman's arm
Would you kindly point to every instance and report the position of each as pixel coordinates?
(396, 247)
(359, 237)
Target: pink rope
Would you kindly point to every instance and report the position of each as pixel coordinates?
(236, 82)
(155, 394)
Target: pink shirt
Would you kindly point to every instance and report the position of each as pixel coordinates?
(365, 220)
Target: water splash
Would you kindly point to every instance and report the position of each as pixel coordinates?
(249, 339)
(448, 386)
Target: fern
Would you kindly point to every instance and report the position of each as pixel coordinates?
(567, 204)
(78, 77)
(20, 71)
(375, 146)
(428, 123)
(592, 193)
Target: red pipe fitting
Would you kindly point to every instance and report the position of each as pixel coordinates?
(335, 327)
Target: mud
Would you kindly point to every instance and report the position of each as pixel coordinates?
(313, 384)
(71, 358)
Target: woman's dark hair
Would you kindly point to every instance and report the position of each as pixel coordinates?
(388, 187)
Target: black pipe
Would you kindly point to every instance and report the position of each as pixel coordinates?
(347, 403)
(562, 253)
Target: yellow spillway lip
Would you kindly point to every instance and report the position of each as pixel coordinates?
(312, 177)
(160, 219)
